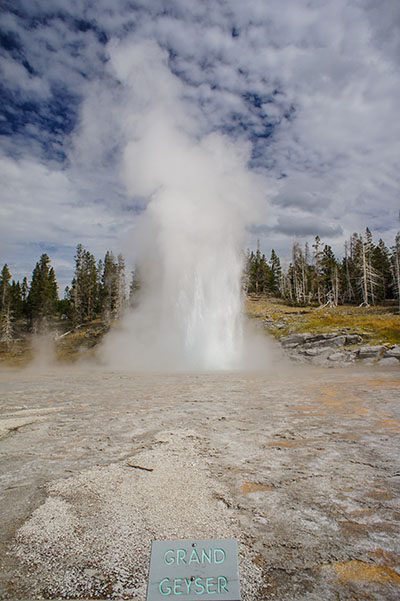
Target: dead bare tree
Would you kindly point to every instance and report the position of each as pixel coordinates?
(396, 265)
(369, 277)
(7, 329)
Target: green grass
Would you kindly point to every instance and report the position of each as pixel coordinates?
(74, 346)
(18, 354)
(80, 343)
(380, 324)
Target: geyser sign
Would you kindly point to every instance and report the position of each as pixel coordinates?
(194, 569)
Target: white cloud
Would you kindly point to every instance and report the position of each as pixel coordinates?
(322, 78)
(47, 208)
(19, 79)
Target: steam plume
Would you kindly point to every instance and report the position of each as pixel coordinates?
(189, 240)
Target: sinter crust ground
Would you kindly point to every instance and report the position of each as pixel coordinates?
(302, 467)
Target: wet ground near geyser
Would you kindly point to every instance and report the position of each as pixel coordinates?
(303, 467)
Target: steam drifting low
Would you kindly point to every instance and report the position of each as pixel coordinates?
(188, 242)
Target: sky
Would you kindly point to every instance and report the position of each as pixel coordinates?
(310, 88)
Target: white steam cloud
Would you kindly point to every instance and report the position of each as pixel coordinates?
(189, 241)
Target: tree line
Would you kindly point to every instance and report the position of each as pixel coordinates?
(98, 289)
(367, 274)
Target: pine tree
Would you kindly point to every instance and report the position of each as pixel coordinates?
(24, 295)
(84, 293)
(265, 276)
(245, 281)
(75, 294)
(276, 273)
(135, 286)
(16, 302)
(381, 265)
(109, 287)
(329, 276)
(43, 296)
(5, 278)
(24, 290)
(259, 272)
(88, 286)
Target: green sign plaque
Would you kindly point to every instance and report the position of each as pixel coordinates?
(191, 570)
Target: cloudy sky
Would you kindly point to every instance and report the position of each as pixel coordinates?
(311, 88)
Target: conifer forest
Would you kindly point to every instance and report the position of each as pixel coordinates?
(367, 274)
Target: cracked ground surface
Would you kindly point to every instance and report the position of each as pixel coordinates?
(302, 466)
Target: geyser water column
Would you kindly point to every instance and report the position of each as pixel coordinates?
(198, 282)
(209, 305)
(189, 239)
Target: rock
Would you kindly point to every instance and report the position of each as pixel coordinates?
(389, 362)
(295, 339)
(312, 352)
(393, 351)
(337, 357)
(336, 341)
(306, 338)
(270, 323)
(369, 351)
(319, 348)
(353, 339)
(369, 361)
(322, 337)
(326, 342)
(342, 357)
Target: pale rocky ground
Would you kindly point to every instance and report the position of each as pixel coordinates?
(339, 350)
(301, 464)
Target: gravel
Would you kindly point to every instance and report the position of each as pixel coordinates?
(93, 534)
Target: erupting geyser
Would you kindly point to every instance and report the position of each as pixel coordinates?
(189, 239)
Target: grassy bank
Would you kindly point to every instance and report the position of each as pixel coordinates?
(378, 324)
(51, 346)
